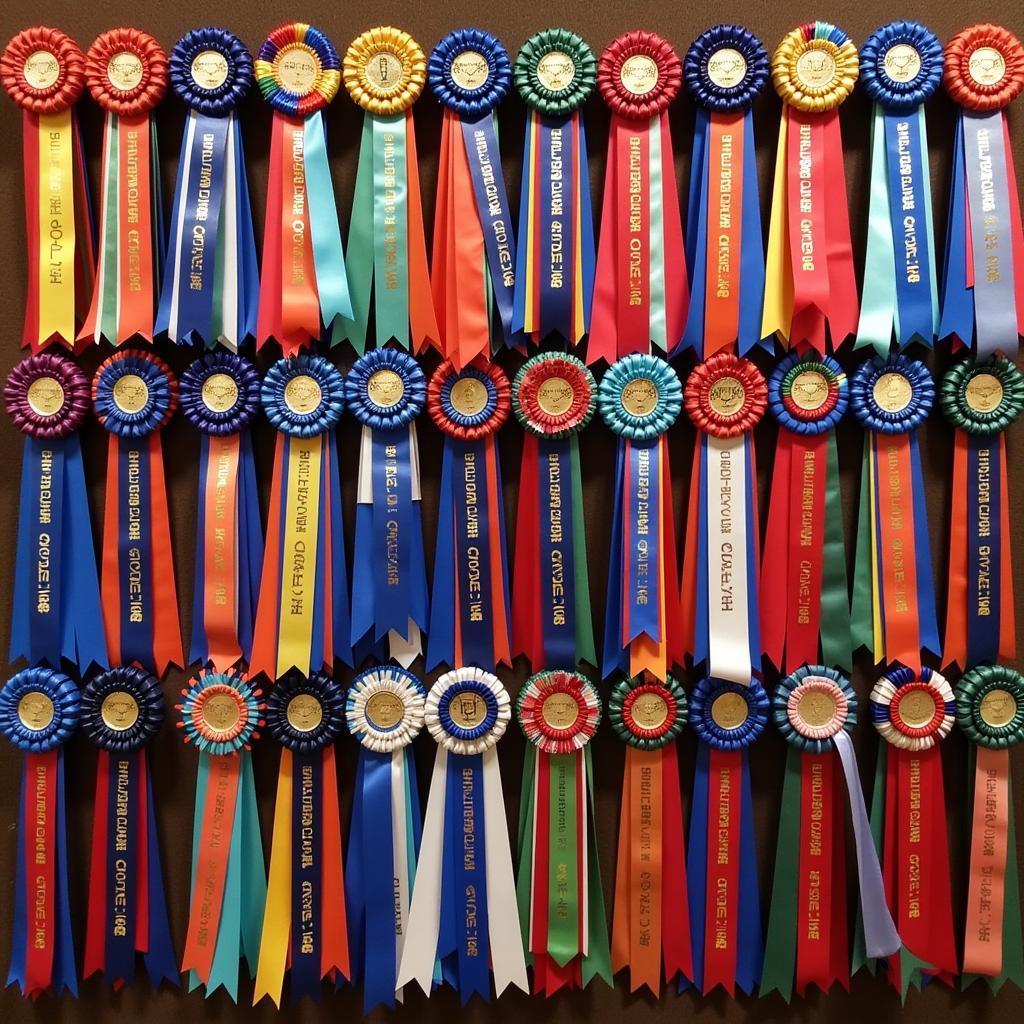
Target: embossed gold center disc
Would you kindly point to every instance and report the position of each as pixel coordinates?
(298, 68)
(119, 711)
(556, 70)
(124, 71)
(209, 69)
(560, 710)
(816, 69)
(639, 74)
(468, 396)
(302, 394)
(726, 67)
(383, 71)
(41, 69)
(816, 708)
(385, 388)
(470, 70)
(726, 396)
(467, 709)
(304, 712)
(221, 713)
(809, 390)
(902, 62)
(35, 711)
(555, 396)
(384, 710)
(984, 392)
(45, 396)
(729, 710)
(130, 393)
(998, 708)
(987, 66)
(650, 710)
(640, 396)
(220, 392)
(892, 392)
(917, 708)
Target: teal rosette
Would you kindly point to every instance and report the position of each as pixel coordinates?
(982, 397)
(211, 70)
(39, 709)
(134, 393)
(901, 65)
(305, 714)
(303, 395)
(555, 72)
(910, 711)
(467, 693)
(373, 699)
(470, 72)
(645, 714)
(385, 389)
(891, 396)
(316, 51)
(648, 385)
(528, 404)
(207, 387)
(812, 705)
(990, 706)
(221, 713)
(728, 731)
(726, 68)
(808, 394)
(122, 709)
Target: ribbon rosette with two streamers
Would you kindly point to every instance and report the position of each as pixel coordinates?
(303, 284)
(561, 903)
(640, 288)
(39, 711)
(221, 715)
(302, 617)
(43, 70)
(56, 612)
(135, 395)
(463, 914)
(983, 280)
(122, 710)
(220, 394)
(810, 284)
(211, 285)
(304, 929)
(385, 390)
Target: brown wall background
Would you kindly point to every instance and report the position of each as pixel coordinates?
(174, 765)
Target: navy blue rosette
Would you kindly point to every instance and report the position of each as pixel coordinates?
(319, 395)
(470, 72)
(122, 709)
(893, 395)
(737, 730)
(134, 394)
(726, 68)
(39, 711)
(220, 393)
(305, 714)
(210, 69)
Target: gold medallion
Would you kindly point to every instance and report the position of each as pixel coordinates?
(902, 62)
(984, 392)
(41, 70)
(998, 708)
(221, 713)
(45, 396)
(298, 68)
(726, 396)
(640, 397)
(131, 393)
(986, 66)
(555, 396)
(209, 69)
(469, 70)
(385, 388)
(555, 71)
(124, 71)
(35, 711)
(809, 390)
(119, 711)
(727, 67)
(815, 69)
(560, 710)
(467, 709)
(304, 712)
(892, 392)
(220, 392)
(917, 708)
(468, 396)
(384, 710)
(302, 394)
(816, 708)
(639, 74)
(650, 710)
(729, 710)
(384, 71)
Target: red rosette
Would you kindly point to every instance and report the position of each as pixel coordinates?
(471, 403)
(984, 68)
(43, 69)
(900, 721)
(126, 71)
(535, 408)
(637, 728)
(639, 75)
(725, 395)
(549, 699)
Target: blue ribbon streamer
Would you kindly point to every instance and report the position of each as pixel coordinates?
(307, 874)
(472, 541)
(750, 944)
(957, 299)
(392, 530)
(379, 876)
(248, 283)
(122, 867)
(557, 555)
(928, 622)
(984, 549)
(697, 234)
(557, 194)
(643, 542)
(134, 549)
(159, 956)
(614, 656)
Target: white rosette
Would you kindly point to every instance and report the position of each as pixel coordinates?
(913, 712)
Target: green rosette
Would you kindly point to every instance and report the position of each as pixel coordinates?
(555, 72)
(636, 723)
(982, 397)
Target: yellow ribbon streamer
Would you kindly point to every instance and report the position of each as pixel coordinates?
(56, 227)
(778, 285)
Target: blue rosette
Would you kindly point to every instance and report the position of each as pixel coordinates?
(385, 389)
(220, 393)
(384, 708)
(728, 715)
(808, 394)
(303, 395)
(305, 714)
(39, 710)
(640, 397)
(134, 393)
(470, 72)
(467, 711)
(892, 396)
(211, 70)
(221, 713)
(901, 65)
(725, 68)
(122, 709)
(812, 705)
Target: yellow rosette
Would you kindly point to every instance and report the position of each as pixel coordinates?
(384, 70)
(814, 73)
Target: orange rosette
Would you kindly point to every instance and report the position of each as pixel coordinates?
(126, 71)
(984, 68)
(43, 70)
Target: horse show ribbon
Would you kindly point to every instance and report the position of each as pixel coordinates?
(990, 712)
(122, 710)
(554, 398)
(304, 928)
(981, 400)
(126, 71)
(473, 264)
(893, 608)
(555, 72)
(39, 711)
(385, 390)
(43, 70)
(302, 616)
(558, 884)
(56, 612)
(221, 715)
(809, 283)
(384, 71)
(651, 916)
(220, 395)
(725, 69)
(135, 395)
(815, 709)
(640, 287)
(912, 710)
(901, 67)
(463, 924)
(469, 608)
(804, 598)
(639, 398)
(384, 710)
(304, 287)
(211, 285)
(983, 278)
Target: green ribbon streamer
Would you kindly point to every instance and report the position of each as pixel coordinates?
(598, 961)
(861, 613)
(107, 313)
(524, 847)
(835, 612)
(563, 874)
(254, 875)
(358, 262)
(581, 581)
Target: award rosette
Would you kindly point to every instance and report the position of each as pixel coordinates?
(810, 291)
(639, 398)
(893, 608)
(43, 70)
(815, 710)
(384, 711)
(126, 71)
(463, 915)
(385, 390)
(555, 72)
(554, 398)
(384, 71)
(303, 285)
(981, 400)
(641, 294)
(725, 70)
(474, 254)
(135, 394)
(651, 921)
(912, 711)
(558, 887)
(990, 713)
(221, 715)
(121, 711)
(304, 929)
(901, 67)
(220, 395)
(804, 597)
(39, 710)
(56, 611)
(302, 616)
(983, 279)
(211, 285)
(469, 610)
(725, 912)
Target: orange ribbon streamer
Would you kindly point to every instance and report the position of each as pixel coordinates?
(725, 201)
